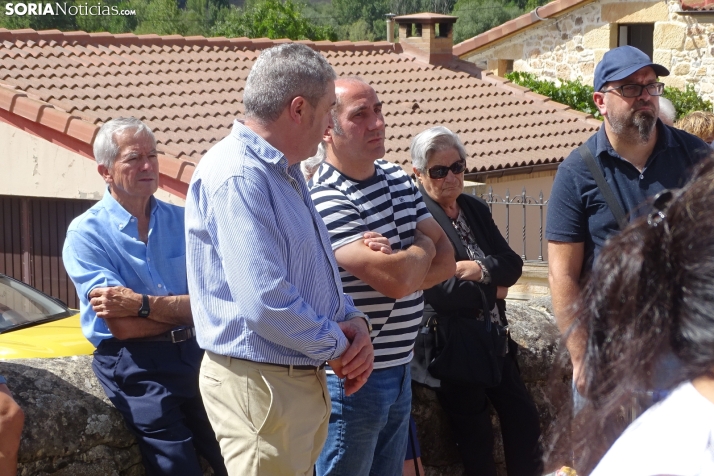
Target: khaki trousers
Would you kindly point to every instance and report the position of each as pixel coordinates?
(269, 420)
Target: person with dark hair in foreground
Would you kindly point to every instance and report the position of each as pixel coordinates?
(650, 294)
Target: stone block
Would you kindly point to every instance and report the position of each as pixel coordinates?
(681, 69)
(588, 69)
(674, 82)
(534, 53)
(669, 36)
(635, 12)
(597, 37)
(695, 43)
(663, 57)
(512, 51)
(701, 72)
(563, 71)
(599, 53)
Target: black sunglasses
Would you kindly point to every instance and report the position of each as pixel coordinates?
(441, 171)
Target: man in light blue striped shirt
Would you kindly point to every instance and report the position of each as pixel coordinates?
(265, 289)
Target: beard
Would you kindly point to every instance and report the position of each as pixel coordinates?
(640, 123)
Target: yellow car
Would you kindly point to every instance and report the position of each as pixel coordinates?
(35, 325)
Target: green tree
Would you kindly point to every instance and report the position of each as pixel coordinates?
(36, 22)
(272, 19)
(110, 23)
(477, 16)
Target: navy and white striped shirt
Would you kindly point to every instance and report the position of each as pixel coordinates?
(262, 277)
(387, 203)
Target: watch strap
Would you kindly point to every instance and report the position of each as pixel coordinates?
(144, 310)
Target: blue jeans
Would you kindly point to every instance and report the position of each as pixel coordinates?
(368, 430)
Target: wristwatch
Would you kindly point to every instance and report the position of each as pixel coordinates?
(144, 310)
(366, 319)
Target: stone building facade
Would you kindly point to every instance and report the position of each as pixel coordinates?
(573, 38)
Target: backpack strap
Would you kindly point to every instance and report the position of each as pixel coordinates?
(605, 189)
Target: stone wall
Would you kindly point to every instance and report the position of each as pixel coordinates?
(71, 429)
(570, 45)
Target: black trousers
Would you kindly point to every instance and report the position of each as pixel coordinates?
(154, 385)
(467, 409)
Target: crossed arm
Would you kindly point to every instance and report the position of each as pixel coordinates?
(428, 261)
(119, 306)
(95, 276)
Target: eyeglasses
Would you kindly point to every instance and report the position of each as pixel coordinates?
(441, 171)
(635, 90)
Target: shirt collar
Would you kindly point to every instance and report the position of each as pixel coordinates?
(262, 149)
(665, 139)
(118, 214)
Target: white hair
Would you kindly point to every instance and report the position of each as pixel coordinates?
(310, 165)
(105, 146)
(432, 140)
(667, 112)
(282, 73)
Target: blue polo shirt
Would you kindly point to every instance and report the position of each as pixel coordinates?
(103, 249)
(577, 211)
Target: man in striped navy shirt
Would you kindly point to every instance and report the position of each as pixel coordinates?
(359, 200)
(265, 290)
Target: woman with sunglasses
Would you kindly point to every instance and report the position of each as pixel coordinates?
(485, 261)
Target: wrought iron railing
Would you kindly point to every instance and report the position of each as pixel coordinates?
(522, 203)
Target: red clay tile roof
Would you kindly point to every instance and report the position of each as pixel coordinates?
(698, 6)
(189, 90)
(558, 7)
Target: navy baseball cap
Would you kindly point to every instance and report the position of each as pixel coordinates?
(621, 62)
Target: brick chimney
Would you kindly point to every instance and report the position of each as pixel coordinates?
(427, 36)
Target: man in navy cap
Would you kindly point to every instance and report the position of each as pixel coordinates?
(638, 157)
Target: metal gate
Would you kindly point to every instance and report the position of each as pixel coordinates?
(31, 240)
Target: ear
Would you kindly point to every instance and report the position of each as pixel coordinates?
(104, 172)
(417, 173)
(298, 109)
(327, 136)
(599, 100)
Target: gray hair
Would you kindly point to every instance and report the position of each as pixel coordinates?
(309, 166)
(281, 74)
(433, 140)
(667, 112)
(105, 146)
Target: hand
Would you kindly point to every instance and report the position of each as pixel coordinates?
(468, 270)
(377, 242)
(501, 292)
(116, 301)
(357, 362)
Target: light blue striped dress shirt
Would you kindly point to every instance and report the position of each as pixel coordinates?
(262, 277)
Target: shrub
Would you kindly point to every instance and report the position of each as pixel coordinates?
(575, 94)
(686, 101)
(579, 96)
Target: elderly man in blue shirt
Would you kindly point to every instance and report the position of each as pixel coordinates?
(265, 288)
(127, 258)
